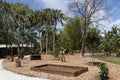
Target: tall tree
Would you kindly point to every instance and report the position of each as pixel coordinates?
(5, 15)
(71, 35)
(86, 9)
(57, 16)
(21, 13)
(111, 40)
(93, 40)
(50, 17)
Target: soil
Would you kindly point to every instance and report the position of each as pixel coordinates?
(71, 60)
(60, 69)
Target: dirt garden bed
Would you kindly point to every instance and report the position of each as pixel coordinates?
(71, 60)
(60, 69)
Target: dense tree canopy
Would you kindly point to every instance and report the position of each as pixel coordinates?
(71, 35)
(21, 25)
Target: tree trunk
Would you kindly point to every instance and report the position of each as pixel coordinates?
(54, 40)
(18, 48)
(109, 52)
(84, 37)
(40, 43)
(83, 43)
(46, 39)
(7, 39)
(7, 49)
(22, 37)
(40, 46)
(93, 59)
(31, 47)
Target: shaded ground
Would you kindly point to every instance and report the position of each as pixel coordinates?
(71, 60)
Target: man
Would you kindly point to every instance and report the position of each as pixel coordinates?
(63, 55)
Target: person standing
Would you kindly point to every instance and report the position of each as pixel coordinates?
(63, 55)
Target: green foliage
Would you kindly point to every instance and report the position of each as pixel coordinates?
(111, 41)
(93, 38)
(104, 71)
(118, 53)
(56, 54)
(112, 59)
(21, 54)
(70, 37)
(77, 51)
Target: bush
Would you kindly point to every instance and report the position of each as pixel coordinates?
(118, 53)
(104, 71)
(56, 54)
(21, 54)
(77, 51)
(18, 62)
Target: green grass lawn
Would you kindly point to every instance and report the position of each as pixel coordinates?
(112, 59)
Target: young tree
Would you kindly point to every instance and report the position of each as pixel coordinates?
(93, 40)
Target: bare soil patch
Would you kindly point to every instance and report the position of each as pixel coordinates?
(60, 69)
(71, 60)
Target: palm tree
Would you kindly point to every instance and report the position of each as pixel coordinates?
(47, 22)
(57, 16)
(45, 19)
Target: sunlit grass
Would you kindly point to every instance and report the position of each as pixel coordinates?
(112, 59)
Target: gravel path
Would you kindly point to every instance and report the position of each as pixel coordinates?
(7, 75)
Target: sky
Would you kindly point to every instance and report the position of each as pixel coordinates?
(112, 14)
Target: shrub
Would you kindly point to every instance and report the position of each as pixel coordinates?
(56, 54)
(118, 53)
(104, 71)
(76, 51)
(18, 62)
(21, 54)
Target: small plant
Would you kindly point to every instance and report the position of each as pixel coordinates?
(11, 58)
(18, 62)
(56, 54)
(8, 57)
(21, 54)
(104, 71)
(77, 51)
(118, 53)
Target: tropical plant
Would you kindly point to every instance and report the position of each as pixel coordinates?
(104, 71)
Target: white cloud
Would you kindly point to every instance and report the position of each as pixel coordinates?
(100, 18)
(117, 22)
(63, 5)
(56, 4)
